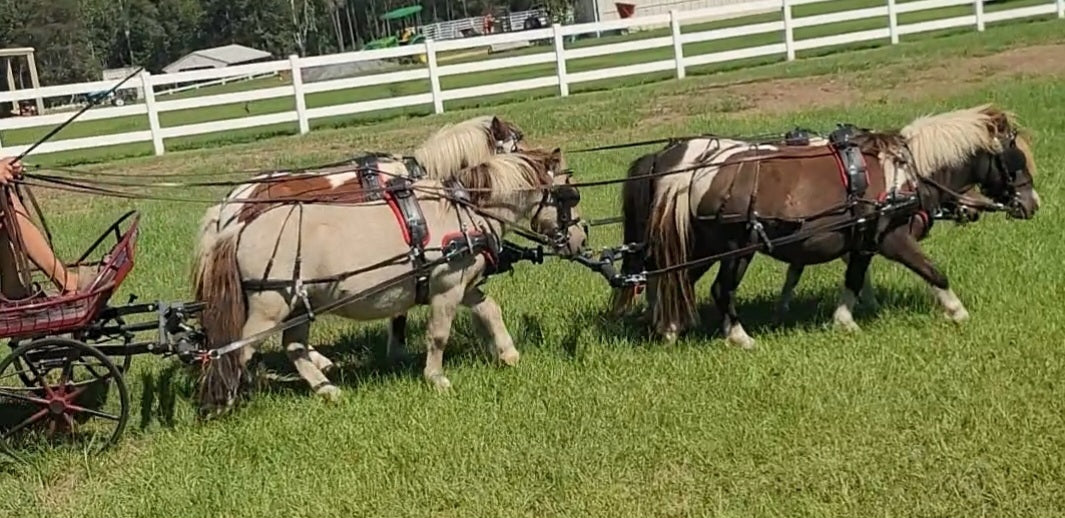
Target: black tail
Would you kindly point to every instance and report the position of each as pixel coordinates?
(636, 199)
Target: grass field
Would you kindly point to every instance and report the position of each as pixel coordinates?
(283, 104)
(912, 417)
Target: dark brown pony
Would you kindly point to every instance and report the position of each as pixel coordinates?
(735, 195)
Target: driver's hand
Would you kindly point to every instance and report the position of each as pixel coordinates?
(9, 170)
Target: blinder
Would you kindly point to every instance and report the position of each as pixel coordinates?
(1010, 162)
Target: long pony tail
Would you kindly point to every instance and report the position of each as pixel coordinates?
(673, 308)
(217, 283)
(637, 196)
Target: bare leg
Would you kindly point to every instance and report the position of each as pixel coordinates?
(295, 339)
(903, 249)
(441, 314)
(10, 284)
(857, 267)
(38, 250)
(490, 319)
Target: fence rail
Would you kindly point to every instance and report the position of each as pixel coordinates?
(556, 54)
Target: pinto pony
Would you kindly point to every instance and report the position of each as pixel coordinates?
(321, 245)
(733, 195)
(448, 150)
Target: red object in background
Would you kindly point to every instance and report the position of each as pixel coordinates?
(486, 25)
(625, 10)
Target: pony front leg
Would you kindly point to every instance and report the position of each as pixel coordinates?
(857, 269)
(787, 292)
(866, 296)
(489, 317)
(903, 248)
(724, 291)
(294, 340)
(442, 309)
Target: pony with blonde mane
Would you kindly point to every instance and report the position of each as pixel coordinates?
(942, 142)
(448, 150)
(732, 196)
(483, 200)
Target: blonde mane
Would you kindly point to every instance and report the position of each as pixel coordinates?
(457, 146)
(507, 178)
(948, 140)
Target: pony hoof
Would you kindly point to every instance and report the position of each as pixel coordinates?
(510, 358)
(440, 382)
(670, 337)
(959, 316)
(849, 326)
(746, 343)
(330, 393)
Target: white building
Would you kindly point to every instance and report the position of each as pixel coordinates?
(586, 10)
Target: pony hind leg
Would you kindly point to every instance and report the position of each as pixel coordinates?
(724, 292)
(489, 317)
(294, 340)
(397, 338)
(856, 277)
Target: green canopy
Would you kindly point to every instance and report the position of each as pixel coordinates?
(402, 12)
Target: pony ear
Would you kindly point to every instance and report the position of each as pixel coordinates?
(556, 154)
(499, 130)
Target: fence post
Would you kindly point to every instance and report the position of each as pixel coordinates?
(678, 45)
(153, 113)
(893, 22)
(297, 91)
(978, 6)
(434, 76)
(560, 60)
(1061, 8)
(789, 31)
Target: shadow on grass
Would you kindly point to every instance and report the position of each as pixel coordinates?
(810, 310)
(360, 355)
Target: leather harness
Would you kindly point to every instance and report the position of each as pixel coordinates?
(398, 193)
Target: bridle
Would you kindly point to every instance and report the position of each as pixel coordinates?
(1008, 198)
(563, 197)
(514, 137)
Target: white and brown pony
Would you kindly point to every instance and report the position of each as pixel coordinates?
(355, 244)
(734, 195)
(448, 150)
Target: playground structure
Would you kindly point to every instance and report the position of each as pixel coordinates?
(16, 82)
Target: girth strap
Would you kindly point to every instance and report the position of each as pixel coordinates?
(416, 230)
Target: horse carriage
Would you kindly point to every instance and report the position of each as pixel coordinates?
(440, 229)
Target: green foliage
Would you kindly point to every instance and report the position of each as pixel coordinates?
(75, 39)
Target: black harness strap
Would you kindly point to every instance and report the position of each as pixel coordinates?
(417, 231)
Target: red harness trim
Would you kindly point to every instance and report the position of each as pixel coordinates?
(398, 213)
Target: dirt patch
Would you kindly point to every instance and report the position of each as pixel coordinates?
(893, 83)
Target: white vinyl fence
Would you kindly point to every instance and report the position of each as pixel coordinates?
(298, 89)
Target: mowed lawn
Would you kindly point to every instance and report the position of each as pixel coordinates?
(913, 417)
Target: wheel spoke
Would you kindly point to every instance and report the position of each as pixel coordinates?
(30, 420)
(97, 413)
(40, 379)
(20, 397)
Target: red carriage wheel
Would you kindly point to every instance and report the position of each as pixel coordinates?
(76, 397)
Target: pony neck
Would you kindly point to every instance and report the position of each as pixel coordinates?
(957, 179)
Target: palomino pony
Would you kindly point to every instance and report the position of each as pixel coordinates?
(445, 152)
(321, 245)
(856, 197)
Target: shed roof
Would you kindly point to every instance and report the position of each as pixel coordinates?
(216, 57)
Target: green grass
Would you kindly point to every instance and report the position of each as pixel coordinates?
(239, 110)
(912, 417)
